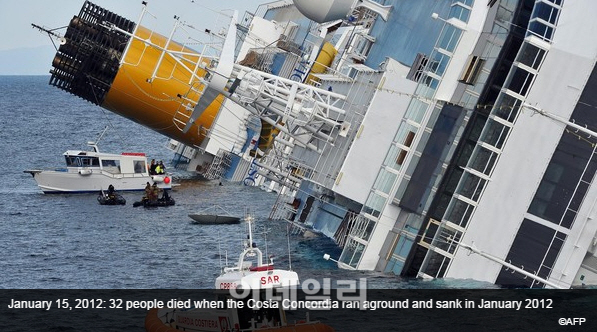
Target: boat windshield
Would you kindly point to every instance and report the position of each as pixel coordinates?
(82, 161)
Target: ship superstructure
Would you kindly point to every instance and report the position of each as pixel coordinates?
(432, 140)
(409, 132)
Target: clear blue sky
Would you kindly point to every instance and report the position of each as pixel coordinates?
(20, 41)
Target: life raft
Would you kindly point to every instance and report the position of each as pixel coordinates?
(115, 199)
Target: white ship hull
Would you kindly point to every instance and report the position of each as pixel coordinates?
(93, 180)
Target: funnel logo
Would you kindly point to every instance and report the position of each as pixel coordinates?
(251, 174)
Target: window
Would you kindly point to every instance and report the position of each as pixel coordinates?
(495, 133)
(447, 239)
(449, 38)
(363, 46)
(72, 161)
(399, 254)
(385, 180)
(579, 195)
(430, 231)
(428, 87)
(431, 82)
(401, 189)
(471, 186)
(81, 161)
(405, 134)
(139, 166)
(531, 55)
(437, 264)
(394, 265)
(471, 70)
(362, 227)
(546, 12)
(417, 68)
(541, 30)
(520, 81)
(507, 107)
(352, 253)
(401, 156)
(483, 160)
(416, 110)
(112, 166)
(392, 157)
(459, 12)
(374, 204)
(439, 63)
(109, 162)
(459, 212)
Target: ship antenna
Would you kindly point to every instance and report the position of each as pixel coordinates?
(265, 238)
(51, 34)
(101, 135)
(250, 224)
(94, 144)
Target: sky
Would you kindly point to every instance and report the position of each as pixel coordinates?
(24, 50)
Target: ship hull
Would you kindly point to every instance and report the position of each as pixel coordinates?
(59, 182)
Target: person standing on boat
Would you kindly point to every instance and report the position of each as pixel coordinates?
(111, 192)
(158, 169)
(147, 192)
(162, 167)
(152, 167)
(154, 192)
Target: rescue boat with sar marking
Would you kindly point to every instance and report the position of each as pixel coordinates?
(250, 272)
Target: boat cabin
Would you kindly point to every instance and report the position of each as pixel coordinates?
(125, 163)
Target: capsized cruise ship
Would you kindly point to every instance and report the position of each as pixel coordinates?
(429, 138)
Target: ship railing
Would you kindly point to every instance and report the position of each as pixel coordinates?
(263, 8)
(219, 165)
(283, 208)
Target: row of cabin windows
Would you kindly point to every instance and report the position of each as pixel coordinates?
(82, 161)
(447, 42)
(471, 184)
(86, 161)
(139, 166)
